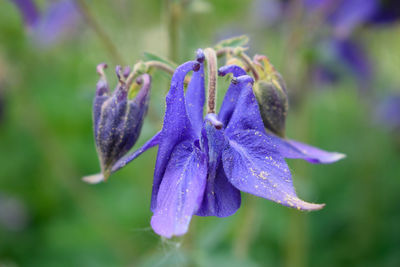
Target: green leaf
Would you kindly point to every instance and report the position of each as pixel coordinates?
(234, 42)
(153, 57)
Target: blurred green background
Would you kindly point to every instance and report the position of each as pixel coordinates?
(49, 217)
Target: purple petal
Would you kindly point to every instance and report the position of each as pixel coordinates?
(195, 98)
(232, 95)
(29, 12)
(59, 20)
(220, 197)
(109, 129)
(246, 114)
(296, 150)
(97, 178)
(155, 140)
(253, 165)
(181, 191)
(135, 116)
(177, 126)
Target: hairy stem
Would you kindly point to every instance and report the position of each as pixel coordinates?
(211, 58)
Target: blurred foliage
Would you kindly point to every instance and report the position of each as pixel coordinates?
(49, 217)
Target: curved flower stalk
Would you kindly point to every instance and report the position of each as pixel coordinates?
(202, 165)
(117, 119)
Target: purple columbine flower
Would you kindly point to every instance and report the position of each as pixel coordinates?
(343, 15)
(339, 57)
(49, 27)
(117, 119)
(203, 164)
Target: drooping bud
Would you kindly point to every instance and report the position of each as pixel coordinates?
(270, 91)
(117, 119)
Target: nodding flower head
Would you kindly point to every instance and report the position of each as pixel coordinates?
(270, 91)
(204, 162)
(117, 118)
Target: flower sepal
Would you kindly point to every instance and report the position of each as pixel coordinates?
(117, 119)
(272, 98)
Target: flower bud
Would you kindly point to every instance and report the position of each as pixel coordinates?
(270, 91)
(118, 119)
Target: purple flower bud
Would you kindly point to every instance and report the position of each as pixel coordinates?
(271, 95)
(117, 119)
(127, 71)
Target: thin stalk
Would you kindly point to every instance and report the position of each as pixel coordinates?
(248, 227)
(144, 67)
(211, 58)
(100, 32)
(243, 57)
(174, 11)
(297, 242)
(249, 63)
(161, 66)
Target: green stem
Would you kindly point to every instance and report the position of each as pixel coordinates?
(243, 57)
(174, 10)
(99, 31)
(145, 67)
(248, 227)
(297, 243)
(249, 64)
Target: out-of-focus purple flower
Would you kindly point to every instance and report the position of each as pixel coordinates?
(356, 59)
(117, 120)
(28, 11)
(266, 12)
(57, 21)
(387, 12)
(343, 15)
(346, 55)
(338, 57)
(388, 112)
